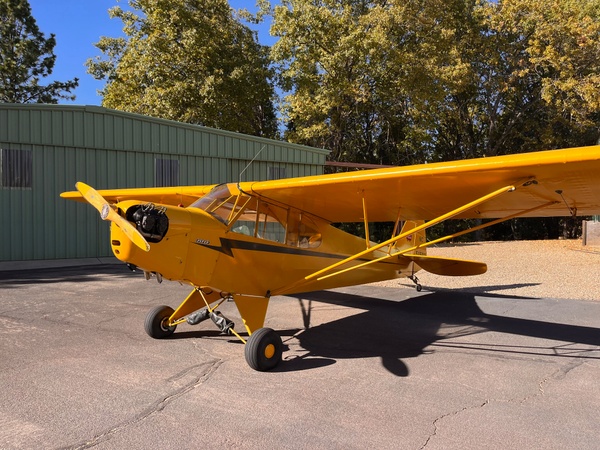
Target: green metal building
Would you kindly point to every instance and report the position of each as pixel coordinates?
(46, 149)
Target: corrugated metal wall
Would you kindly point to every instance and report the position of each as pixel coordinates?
(111, 149)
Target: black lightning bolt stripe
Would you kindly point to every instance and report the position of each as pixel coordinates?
(228, 245)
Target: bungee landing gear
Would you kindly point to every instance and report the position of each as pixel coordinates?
(263, 348)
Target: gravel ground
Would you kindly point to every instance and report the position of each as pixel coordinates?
(539, 269)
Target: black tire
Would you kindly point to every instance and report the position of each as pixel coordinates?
(155, 322)
(263, 349)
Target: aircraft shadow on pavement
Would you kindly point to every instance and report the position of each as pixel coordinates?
(398, 330)
(482, 290)
(12, 279)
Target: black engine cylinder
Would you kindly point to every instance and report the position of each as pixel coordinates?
(150, 221)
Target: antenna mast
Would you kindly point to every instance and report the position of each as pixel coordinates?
(250, 163)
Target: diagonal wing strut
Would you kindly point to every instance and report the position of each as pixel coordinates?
(429, 224)
(323, 273)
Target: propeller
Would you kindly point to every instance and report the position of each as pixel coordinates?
(108, 213)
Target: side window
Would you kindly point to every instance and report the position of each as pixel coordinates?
(271, 220)
(307, 234)
(260, 219)
(302, 231)
(252, 216)
(246, 222)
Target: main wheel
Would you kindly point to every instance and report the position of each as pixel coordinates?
(263, 349)
(156, 322)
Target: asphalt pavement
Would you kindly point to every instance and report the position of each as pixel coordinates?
(364, 367)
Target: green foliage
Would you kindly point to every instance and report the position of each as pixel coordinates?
(26, 56)
(398, 81)
(360, 75)
(532, 86)
(187, 60)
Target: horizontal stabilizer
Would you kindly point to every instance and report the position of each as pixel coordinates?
(448, 266)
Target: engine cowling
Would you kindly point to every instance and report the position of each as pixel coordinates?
(166, 228)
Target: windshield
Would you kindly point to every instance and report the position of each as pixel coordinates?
(255, 217)
(219, 202)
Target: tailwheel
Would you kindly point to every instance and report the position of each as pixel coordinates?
(263, 349)
(415, 280)
(156, 324)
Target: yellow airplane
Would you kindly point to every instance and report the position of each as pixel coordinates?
(249, 241)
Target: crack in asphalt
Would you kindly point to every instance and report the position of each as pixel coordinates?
(158, 405)
(132, 335)
(453, 413)
(558, 375)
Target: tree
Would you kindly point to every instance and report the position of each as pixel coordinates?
(533, 84)
(26, 56)
(561, 41)
(359, 74)
(323, 55)
(396, 82)
(188, 60)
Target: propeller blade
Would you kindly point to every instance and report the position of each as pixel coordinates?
(108, 213)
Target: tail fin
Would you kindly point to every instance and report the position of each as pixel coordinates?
(413, 239)
(434, 264)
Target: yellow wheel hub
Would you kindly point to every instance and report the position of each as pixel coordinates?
(269, 351)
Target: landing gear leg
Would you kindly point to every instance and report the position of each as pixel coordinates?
(415, 280)
(263, 349)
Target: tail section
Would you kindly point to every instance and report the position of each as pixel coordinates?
(448, 266)
(434, 264)
(413, 239)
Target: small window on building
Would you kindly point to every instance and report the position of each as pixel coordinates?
(17, 168)
(167, 172)
(276, 173)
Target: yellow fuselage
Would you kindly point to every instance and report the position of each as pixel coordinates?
(200, 250)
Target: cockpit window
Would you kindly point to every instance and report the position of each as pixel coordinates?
(219, 202)
(208, 201)
(302, 231)
(261, 220)
(255, 217)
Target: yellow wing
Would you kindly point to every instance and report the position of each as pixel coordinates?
(569, 177)
(178, 195)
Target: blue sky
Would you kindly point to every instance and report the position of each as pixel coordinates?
(78, 24)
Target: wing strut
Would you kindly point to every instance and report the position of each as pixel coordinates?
(437, 241)
(366, 220)
(320, 274)
(429, 224)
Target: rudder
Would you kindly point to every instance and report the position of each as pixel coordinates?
(413, 239)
